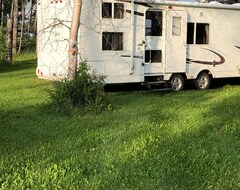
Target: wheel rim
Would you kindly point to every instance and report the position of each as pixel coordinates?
(176, 84)
(203, 82)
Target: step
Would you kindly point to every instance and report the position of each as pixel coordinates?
(154, 84)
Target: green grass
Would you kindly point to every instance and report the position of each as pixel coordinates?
(165, 140)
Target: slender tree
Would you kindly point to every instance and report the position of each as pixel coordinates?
(30, 17)
(24, 3)
(1, 10)
(9, 40)
(73, 40)
(15, 25)
(35, 23)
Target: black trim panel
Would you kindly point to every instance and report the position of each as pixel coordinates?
(135, 56)
(135, 13)
(137, 3)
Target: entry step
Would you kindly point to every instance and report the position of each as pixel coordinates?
(156, 85)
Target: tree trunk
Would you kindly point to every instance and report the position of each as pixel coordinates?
(35, 24)
(30, 17)
(9, 40)
(15, 25)
(2, 16)
(1, 10)
(35, 32)
(73, 40)
(24, 3)
(12, 6)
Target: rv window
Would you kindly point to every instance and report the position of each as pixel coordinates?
(153, 23)
(112, 41)
(202, 33)
(118, 10)
(190, 33)
(107, 10)
(176, 26)
(153, 56)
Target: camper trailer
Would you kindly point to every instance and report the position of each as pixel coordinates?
(143, 41)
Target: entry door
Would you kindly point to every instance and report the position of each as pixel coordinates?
(154, 43)
(176, 41)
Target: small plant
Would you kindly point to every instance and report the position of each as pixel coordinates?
(86, 91)
(2, 44)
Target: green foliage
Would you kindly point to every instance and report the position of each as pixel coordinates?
(170, 141)
(86, 91)
(2, 44)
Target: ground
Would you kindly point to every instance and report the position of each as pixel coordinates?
(145, 140)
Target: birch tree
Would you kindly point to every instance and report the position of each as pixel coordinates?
(24, 3)
(9, 40)
(73, 40)
(15, 25)
(30, 18)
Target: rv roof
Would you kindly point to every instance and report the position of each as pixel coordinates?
(191, 4)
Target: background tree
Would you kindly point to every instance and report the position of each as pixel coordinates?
(9, 40)
(15, 25)
(24, 3)
(1, 11)
(30, 17)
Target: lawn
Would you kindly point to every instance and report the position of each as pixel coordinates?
(148, 140)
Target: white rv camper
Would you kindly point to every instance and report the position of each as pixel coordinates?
(143, 41)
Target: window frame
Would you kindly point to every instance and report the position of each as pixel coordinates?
(195, 31)
(112, 33)
(113, 10)
(206, 41)
(110, 14)
(154, 25)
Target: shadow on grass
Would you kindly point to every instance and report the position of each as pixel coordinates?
(17, 66)
(118, 151)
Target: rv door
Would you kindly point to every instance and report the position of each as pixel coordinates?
(176, 41)
(154, 45)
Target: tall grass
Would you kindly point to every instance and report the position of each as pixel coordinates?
(164, 140)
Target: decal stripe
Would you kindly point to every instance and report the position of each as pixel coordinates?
(222, 60)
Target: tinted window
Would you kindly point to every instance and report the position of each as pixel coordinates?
(112, 41)
(190, 33)
(107, 10)
(154, 23)
(118, 10)
(202, 33)
(153, 56)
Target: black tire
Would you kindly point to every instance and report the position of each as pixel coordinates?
(203, 81)
(176, 82)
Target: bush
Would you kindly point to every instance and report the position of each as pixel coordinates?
(86, 91)
(2, 44)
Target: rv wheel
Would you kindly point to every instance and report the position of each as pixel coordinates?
(177, 82)
(202, 82)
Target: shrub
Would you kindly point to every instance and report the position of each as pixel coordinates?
(86, 91)
(2, 44)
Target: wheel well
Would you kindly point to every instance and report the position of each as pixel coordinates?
(183, 75)
(206, 71)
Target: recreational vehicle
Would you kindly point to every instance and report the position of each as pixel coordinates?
(143, 41)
